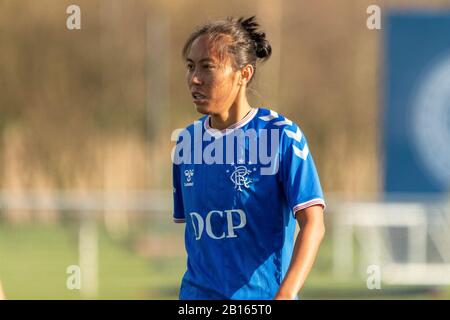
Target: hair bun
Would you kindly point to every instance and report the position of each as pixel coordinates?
(262, 47)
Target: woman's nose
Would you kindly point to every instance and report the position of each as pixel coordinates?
(195, 79)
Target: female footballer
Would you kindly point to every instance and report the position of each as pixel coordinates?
(240, 208)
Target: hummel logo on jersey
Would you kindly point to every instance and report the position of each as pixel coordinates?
(188, 174)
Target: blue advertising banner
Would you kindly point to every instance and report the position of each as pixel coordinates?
(416, 126)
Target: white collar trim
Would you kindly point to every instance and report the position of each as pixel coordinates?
(239, 124)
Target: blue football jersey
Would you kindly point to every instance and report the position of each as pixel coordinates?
(238, 190)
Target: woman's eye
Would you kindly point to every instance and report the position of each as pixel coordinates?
(189, 66)
(209, 66)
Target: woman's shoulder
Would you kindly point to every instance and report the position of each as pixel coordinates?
(272, 119)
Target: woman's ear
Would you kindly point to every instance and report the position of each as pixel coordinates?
(247, 74)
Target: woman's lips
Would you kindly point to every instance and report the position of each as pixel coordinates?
(200, 101)
(199, 98)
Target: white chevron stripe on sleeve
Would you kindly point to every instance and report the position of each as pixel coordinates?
(301, 153)
(285, 121)
(297, 136)
(269, 117)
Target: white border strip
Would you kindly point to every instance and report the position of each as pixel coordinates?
(309, 203)
(176, 220)
(240, 123)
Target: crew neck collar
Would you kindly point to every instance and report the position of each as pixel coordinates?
(217, 133)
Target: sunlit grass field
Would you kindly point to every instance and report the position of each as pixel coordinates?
(34, 259)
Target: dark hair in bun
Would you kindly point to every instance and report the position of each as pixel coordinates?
(263, 49)
(237, 38)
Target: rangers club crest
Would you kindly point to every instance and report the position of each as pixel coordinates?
(240, 177)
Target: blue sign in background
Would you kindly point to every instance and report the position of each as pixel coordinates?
(417, 44)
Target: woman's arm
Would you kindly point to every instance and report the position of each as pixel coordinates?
(312, 231)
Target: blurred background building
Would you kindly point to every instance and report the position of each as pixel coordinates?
(86, 118)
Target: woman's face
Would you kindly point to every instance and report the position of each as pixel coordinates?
(213, 83)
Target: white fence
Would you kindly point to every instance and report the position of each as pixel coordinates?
(424, 256)
(90, 206)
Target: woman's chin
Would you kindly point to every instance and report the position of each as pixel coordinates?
(203, 108)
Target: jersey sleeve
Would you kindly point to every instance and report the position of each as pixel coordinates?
(299, 176)
(178, 208)
(178, 205)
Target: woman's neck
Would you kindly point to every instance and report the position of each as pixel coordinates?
(234, 114)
